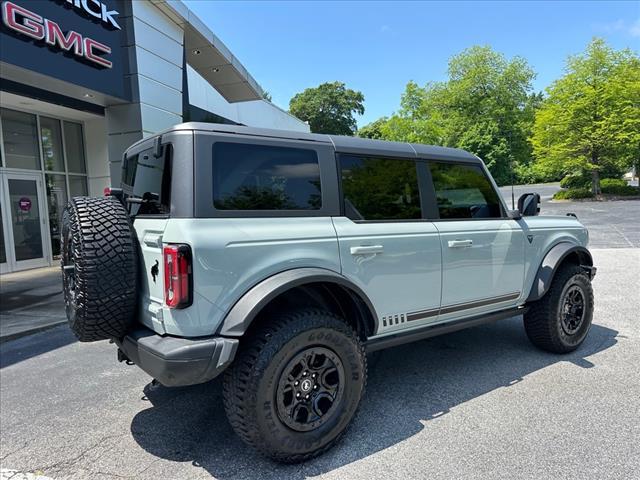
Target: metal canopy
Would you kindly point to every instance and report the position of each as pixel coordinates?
(207, 55)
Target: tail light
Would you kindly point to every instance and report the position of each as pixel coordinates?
(177, 276)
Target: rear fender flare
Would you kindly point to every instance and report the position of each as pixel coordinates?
(245, 310)
(550, 264)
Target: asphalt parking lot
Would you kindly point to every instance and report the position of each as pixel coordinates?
(614, 224)
(481, 403)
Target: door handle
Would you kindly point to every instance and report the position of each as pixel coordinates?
(367, 250)
(460, 243)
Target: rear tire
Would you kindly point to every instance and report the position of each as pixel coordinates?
(295, 384)
(559, 321)
(99, 268)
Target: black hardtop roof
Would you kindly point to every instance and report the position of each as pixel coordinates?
(342, 144)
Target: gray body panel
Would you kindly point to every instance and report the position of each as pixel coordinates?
(404, 271)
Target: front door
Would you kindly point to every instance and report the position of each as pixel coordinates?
(386, 246)
(24, 227)
(482, 249)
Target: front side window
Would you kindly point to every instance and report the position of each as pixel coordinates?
(262, 177)
(464, 191)
(380, 188)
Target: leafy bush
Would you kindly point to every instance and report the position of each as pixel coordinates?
(572, 193)
(573, 180)
(612, 182)
(621, 190)
(527, 174)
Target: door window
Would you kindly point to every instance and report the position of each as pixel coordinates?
(25, 219)
(264, 177)
(464, 191)
(380, 188)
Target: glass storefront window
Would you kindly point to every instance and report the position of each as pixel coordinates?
(74, 144)
(20, 137)
(56, 200)
(51, 135)
(3, 252)
(78, 186)
(44, 148)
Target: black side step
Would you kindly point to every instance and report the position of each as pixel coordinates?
(434, 330)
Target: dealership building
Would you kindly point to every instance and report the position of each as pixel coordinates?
(80, 81)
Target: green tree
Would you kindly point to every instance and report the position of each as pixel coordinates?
(329, 108)
(590, 121)
(374, 129)
(485, 106)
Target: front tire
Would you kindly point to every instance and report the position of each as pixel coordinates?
(559, 321)
(296, 384)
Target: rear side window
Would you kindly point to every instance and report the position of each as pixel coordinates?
(464, 191)
(263, 177)
(147, 177)
(380, 188)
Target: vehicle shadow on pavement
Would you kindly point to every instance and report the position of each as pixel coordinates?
(30, 346)
(408, 385)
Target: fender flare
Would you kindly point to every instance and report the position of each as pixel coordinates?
(550, 264)
(245, 310)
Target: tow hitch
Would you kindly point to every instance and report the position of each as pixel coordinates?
(122, 357)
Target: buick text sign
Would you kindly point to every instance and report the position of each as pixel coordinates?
(98, 10)
(78, 41)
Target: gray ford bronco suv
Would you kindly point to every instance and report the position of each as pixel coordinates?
(280, 259)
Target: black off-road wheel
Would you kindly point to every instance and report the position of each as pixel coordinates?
(99, 268)
(295, 384)
(559, 321)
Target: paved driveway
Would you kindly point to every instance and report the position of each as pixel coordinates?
(481, 403)
(611, 224)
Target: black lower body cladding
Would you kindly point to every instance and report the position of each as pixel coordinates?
(99, 268)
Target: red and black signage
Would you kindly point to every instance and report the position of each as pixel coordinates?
(78, 41)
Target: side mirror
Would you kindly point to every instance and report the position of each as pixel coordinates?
(529, 204)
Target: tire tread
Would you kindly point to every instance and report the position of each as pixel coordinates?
(259, 347)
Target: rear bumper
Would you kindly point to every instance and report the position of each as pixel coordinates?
(175, 361)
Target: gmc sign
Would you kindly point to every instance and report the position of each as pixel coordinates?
(28, 23)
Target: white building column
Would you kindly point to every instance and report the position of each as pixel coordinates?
(154, 48)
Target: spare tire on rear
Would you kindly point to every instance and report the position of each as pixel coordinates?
(99, 268)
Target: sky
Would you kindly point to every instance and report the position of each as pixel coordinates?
(377, 47)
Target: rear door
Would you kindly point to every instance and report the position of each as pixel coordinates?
(146, 179)
(387, 247)
(482, 249)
